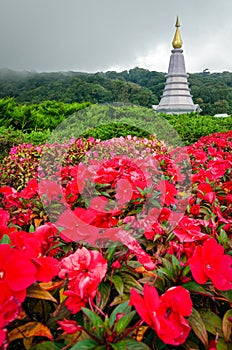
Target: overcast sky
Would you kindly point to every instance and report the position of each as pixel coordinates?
(101, 35)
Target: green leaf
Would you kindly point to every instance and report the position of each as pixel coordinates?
(227, 294)
(111, 251)
(104, 291)
(130, 282)
(196, 288)
(123, 322)
(227, 325)
(135, 345)
(5, 239)
(190, 345)
(212, 322)
(222, 345)
(129, 344)
(87, 344)
(119, 300)
(118, 283)
(97, 325)
(123, 308)
(119, 346)
(175, 264)
(198, 327)
(47, 345)
(31, 228)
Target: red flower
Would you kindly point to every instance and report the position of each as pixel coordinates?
(209, 261)
(35, 245)
(218, 167)
(132, 244)
(75, 229)
(11, 197)
(4, 342)
(168, 191)
(30, 190)
(50, 189)
(200, 155)
(9, 310)
(175, 303)
(72, 192)
(205, 192)
(147, 305)
(17, 272)
(165, 314)
(188, 230)
(4, 218)
(124, 191)
(96, 218)
(69, 326)
(195, 209)
(164, 214)
(85, 269)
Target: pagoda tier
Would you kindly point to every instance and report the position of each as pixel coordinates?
(176, 96)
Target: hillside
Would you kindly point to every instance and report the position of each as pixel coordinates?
(212, 91)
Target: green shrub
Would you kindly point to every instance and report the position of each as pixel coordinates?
(191, 127)
(44, 115)
(109, 131)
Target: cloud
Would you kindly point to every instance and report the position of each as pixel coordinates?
(90, 35)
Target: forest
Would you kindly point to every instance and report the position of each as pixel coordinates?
(212, 91)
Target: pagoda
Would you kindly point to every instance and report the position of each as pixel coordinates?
(176, 98)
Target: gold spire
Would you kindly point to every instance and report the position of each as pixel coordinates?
(177, 42)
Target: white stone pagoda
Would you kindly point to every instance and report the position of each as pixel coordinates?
(176, 98)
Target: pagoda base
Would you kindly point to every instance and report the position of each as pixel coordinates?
(177, 109)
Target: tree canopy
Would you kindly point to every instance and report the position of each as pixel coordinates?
(212, 91)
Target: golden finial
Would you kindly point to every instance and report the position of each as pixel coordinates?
(177, 42)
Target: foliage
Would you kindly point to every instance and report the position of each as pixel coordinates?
(46, 115)
(21, 164)
(191, 127)
(212, 91)
(72, 87)
(130, 259)
(10, 138)
(99, 121)
(108, 131)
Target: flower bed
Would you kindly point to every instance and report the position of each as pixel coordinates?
(124, 246)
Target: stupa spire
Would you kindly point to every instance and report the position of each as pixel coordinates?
(177, 41)
(176, 96)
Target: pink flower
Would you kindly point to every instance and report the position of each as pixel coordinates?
(69, 326)
(84, 269)
(209, 261)
(165, 314)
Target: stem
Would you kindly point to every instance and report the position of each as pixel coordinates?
(71, 342)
